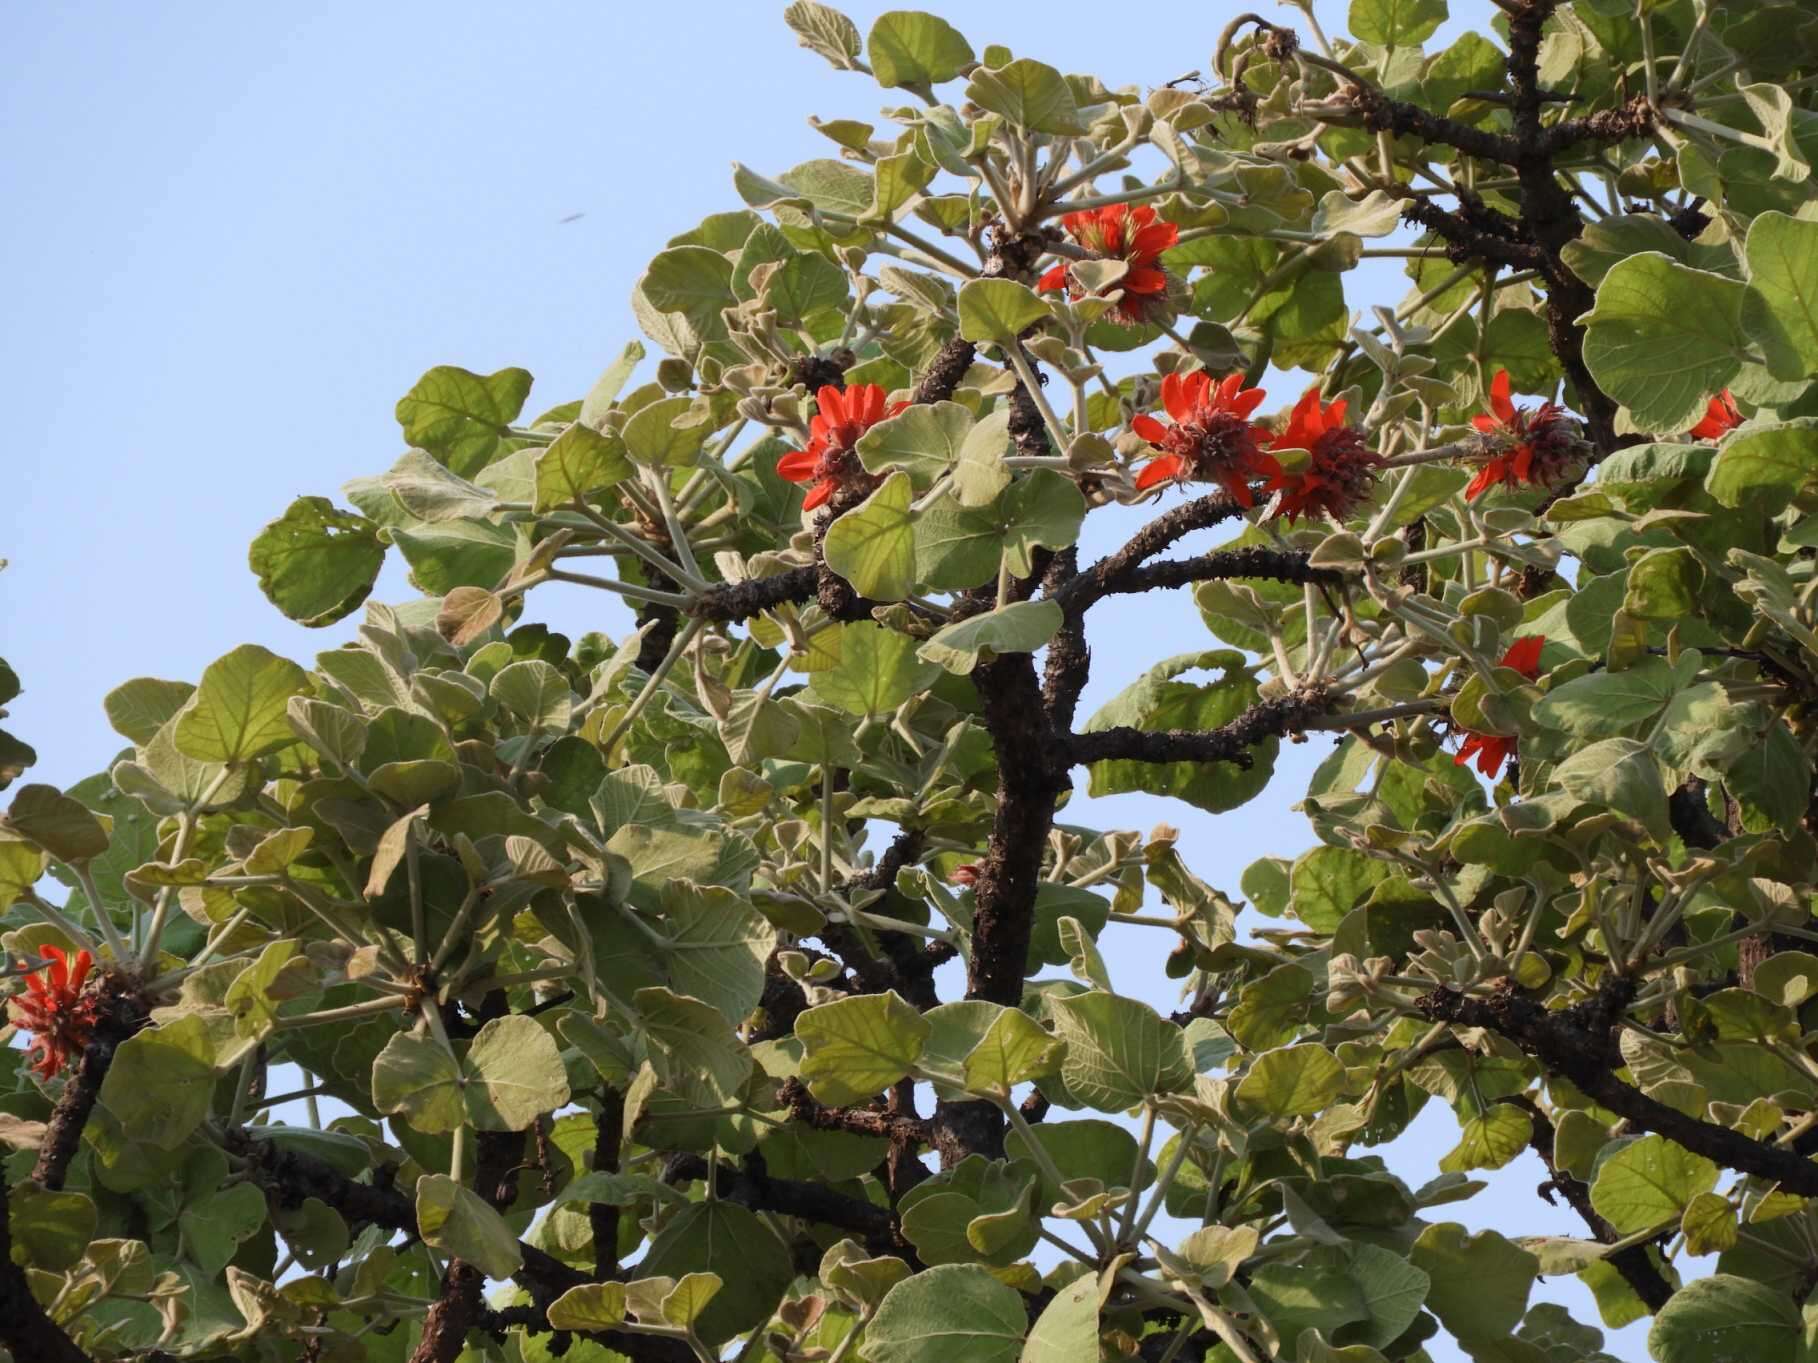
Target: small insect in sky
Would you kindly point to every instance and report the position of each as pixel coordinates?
(572, 217)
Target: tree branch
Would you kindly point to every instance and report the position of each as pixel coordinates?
(1579, 1044)
(1227, 743)
(28, 1333)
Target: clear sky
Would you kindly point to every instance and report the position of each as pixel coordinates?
(240, 232)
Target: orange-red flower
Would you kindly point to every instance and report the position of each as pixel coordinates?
(1719, 418)
(54, 1010)
(1521, 446)
(1133, 236)
(965, 874)
(1341, 472)
(1211, 438)
(1492, 750)
(828, 462)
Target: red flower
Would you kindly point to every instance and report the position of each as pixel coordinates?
(1133, 236)
(1211, 438)
(54, 1011)
(1522, 447)
(1720, 417)
(966, 874)
(1341, 472)
(1492, 750)
(840, 419)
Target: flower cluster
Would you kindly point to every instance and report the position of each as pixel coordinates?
(1720, 418)
(840, 419)
(1339, 475)
(1491, 750)
(55, 1011)
(1522, 447)
(1132, 235)
(1211, 439)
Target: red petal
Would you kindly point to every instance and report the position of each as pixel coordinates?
(1247, 400)
(1141, 217)
(1056, 278)
(1486, 424)
(1160, 471)
(1487, 478)
(1335, 414)
(817, 494)
(1175, 395)
(1499, 396)
(1149, 428)
(871, 405)
(831, 403)
(1524, 655)
(797, 466)
(1145, 279)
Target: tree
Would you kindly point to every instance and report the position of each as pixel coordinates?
(633, 1014)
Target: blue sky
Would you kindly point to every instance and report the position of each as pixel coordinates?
(240, 232)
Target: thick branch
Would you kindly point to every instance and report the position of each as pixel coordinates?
(119, 1013)
(1633, 1263)
(1382, 114)
(1227, 743)
(750, 1185)
(1276, 565)
(731, 601)
(1579, 1044)
(456, 1310)
(25, 1330)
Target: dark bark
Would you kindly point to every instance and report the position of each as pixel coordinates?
(1579, 1044)
(455, 1312)
(749, 1184)
(25, 1330)
(945, 371)
(1634, 1263)
(603, 1217)
(119, 1012)
(731, 601)
(659, 623)
(1227, 743)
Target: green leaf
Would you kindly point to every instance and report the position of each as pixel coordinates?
(1602, 704)
(1479, 1283)
(591, 1306)
(718, 944)
(1328, 882)
(981, 475)
(609, 385)
(1157, 701)
(139, 708)
(1397, 23)
(1119, 1051)
(462, 417)
(53, 1228)
(1029, 94)
(857, 1047)
(731, 1242)
(1664, 584)
(1013, 1049)
(998, 309)
(1727, 1319)
(21, 867)
(535, 692)
(458, 1222)
(1021, 627)
(1663, 338)
(872, 546)
(579, 462)
(161, 1082)
(1067, 1329)
(657, 435)
(317, 563)
(1622, 774)
(915, 50)
(415, 1078)
(695, 281)
(877, 670)
(1770, 464)
(823, 29)
(957, 547)
(1489, 1140)
(954, 1313)
(924, 439)
(60, 825)
(1295, 1081)
(1782, 254)
(1649, 1182)
(214, 1227)
(514, 1075)
(1774, 776)
(239, 710)
(693, 1049)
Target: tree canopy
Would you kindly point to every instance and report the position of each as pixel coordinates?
(736, 987)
